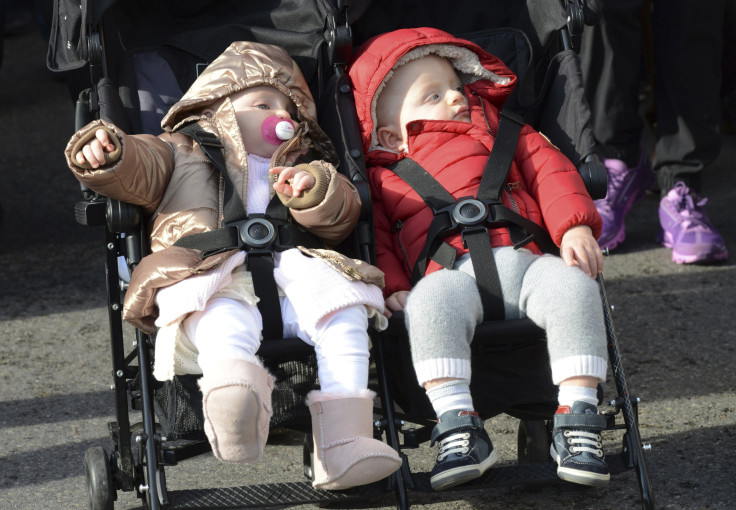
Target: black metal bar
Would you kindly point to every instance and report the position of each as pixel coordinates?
(149, 427)
(627, 409)
(392, 436)
(498, 476)
(119, 362)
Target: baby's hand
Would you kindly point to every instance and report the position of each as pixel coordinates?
(395, 302)
(579, 248)
(292, 181)
(94, 151)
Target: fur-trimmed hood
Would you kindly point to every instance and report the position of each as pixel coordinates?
(375, 61)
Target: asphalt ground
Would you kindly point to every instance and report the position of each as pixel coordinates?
(675, 326)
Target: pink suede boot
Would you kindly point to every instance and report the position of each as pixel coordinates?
(236, 402)
(345, 452)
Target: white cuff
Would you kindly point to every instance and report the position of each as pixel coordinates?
(452, 368)
(579, 366)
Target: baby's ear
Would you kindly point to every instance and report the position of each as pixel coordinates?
(389, 138)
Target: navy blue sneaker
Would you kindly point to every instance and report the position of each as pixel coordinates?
(576, 444)
(466, 451)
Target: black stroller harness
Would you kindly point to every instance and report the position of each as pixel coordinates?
(257, 234)
(474, 216)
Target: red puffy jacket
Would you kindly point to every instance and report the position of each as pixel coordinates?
(542, 185)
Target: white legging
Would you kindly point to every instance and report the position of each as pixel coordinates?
(231, 329)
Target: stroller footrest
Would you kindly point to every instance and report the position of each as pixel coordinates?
(519, 474)
(269, 495)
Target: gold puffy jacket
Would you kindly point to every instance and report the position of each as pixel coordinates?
(181, 193)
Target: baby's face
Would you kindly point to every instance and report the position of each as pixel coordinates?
(252, 107)
(427, 88)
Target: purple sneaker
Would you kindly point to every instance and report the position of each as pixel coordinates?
(626, 186)
(686, 228)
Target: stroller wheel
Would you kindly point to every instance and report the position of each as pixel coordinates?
(99, 480)
(533, 442)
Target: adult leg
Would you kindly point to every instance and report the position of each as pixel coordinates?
(688, 42)
(611, 61)
(688, 46)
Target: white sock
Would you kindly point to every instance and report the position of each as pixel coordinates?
(570, 394)
(451, 395)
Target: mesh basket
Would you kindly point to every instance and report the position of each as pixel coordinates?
(294, 380)
(178, 403)
(178, 407)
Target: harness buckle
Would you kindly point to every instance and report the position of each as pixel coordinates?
(469, 211)
(257, 233)
(472, 216)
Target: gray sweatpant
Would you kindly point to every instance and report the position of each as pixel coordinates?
(444, 308)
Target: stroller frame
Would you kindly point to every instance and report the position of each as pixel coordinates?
(534, 434)
(141, 451)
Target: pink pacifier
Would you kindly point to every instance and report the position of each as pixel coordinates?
(277, 130)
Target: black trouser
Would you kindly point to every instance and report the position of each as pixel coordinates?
(687, 48)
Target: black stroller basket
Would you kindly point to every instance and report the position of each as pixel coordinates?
(109, 49)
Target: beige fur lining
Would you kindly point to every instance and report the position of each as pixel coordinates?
(321, 396)
(464, 60)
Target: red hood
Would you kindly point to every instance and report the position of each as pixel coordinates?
(377, 56)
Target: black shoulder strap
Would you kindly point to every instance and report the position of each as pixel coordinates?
(425, 185)
(477, 240)
(502, 154)
(212, 149)
(439, 200)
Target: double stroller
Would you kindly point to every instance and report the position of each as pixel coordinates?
(129, 60)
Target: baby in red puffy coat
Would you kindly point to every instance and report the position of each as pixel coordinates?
(428, 104)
